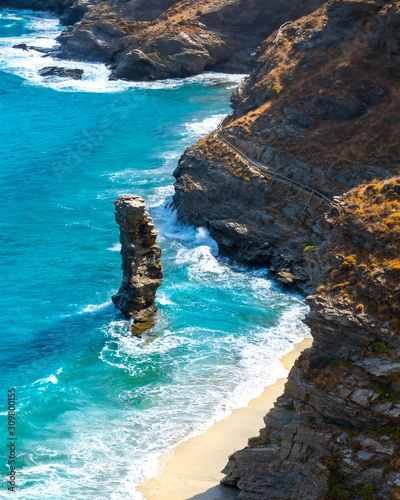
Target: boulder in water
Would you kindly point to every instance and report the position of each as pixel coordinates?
(21, 46)
(75, 74)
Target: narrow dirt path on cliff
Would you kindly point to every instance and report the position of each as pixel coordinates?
(269, 172)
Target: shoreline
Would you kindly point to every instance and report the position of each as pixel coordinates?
(193, 471)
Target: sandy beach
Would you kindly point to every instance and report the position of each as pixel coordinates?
(193, 472)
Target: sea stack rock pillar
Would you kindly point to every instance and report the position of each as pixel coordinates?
(141, 262)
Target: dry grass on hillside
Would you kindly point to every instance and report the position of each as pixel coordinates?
(376, 207)
(293, 71)
(365, 266)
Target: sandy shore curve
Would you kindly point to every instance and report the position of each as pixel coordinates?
(193, 471)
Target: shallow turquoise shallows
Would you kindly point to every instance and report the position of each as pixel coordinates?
(97, 409)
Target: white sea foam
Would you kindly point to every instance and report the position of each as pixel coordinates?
(71, 209)
(201, 262)
(50, 379)
(203, 238)
(115, 248)
(200, 128)
(164, 300)
(170, 227)
(160, 195)
(96, 307)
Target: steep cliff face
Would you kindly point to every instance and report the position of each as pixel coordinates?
(335, 432)
(141, 262)
(320, 108)
(155, 39)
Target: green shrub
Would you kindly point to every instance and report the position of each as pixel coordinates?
(368, 492)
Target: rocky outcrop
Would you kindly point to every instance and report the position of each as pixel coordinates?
(189, 38)
(75, 74)
(156, 39)
(319, 109)
(141, 262)
(335, 432)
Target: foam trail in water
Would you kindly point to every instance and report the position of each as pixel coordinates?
(50, 379)
(97, 307)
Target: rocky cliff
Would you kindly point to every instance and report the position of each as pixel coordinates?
(141, 262)
(318, 117)
(335, 432)
(154, 39)
(320, 108)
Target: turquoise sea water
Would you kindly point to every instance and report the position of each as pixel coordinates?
(98, 409)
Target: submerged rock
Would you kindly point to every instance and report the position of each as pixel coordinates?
(21, 46)
(75, 74)
(141, 262)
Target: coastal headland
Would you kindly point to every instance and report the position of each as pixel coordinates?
(157, 39)
(317, 119)
(302, 178)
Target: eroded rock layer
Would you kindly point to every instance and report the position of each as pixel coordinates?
(141, 260)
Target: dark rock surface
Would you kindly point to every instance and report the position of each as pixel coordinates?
(21, 46)
(141, 261)
(43, 50)
(75, 74)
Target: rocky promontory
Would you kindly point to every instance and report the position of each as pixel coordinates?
(156, 39)
(335, 433)
(320, 109)
(141, 262)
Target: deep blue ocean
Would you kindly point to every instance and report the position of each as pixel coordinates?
(97, 409)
